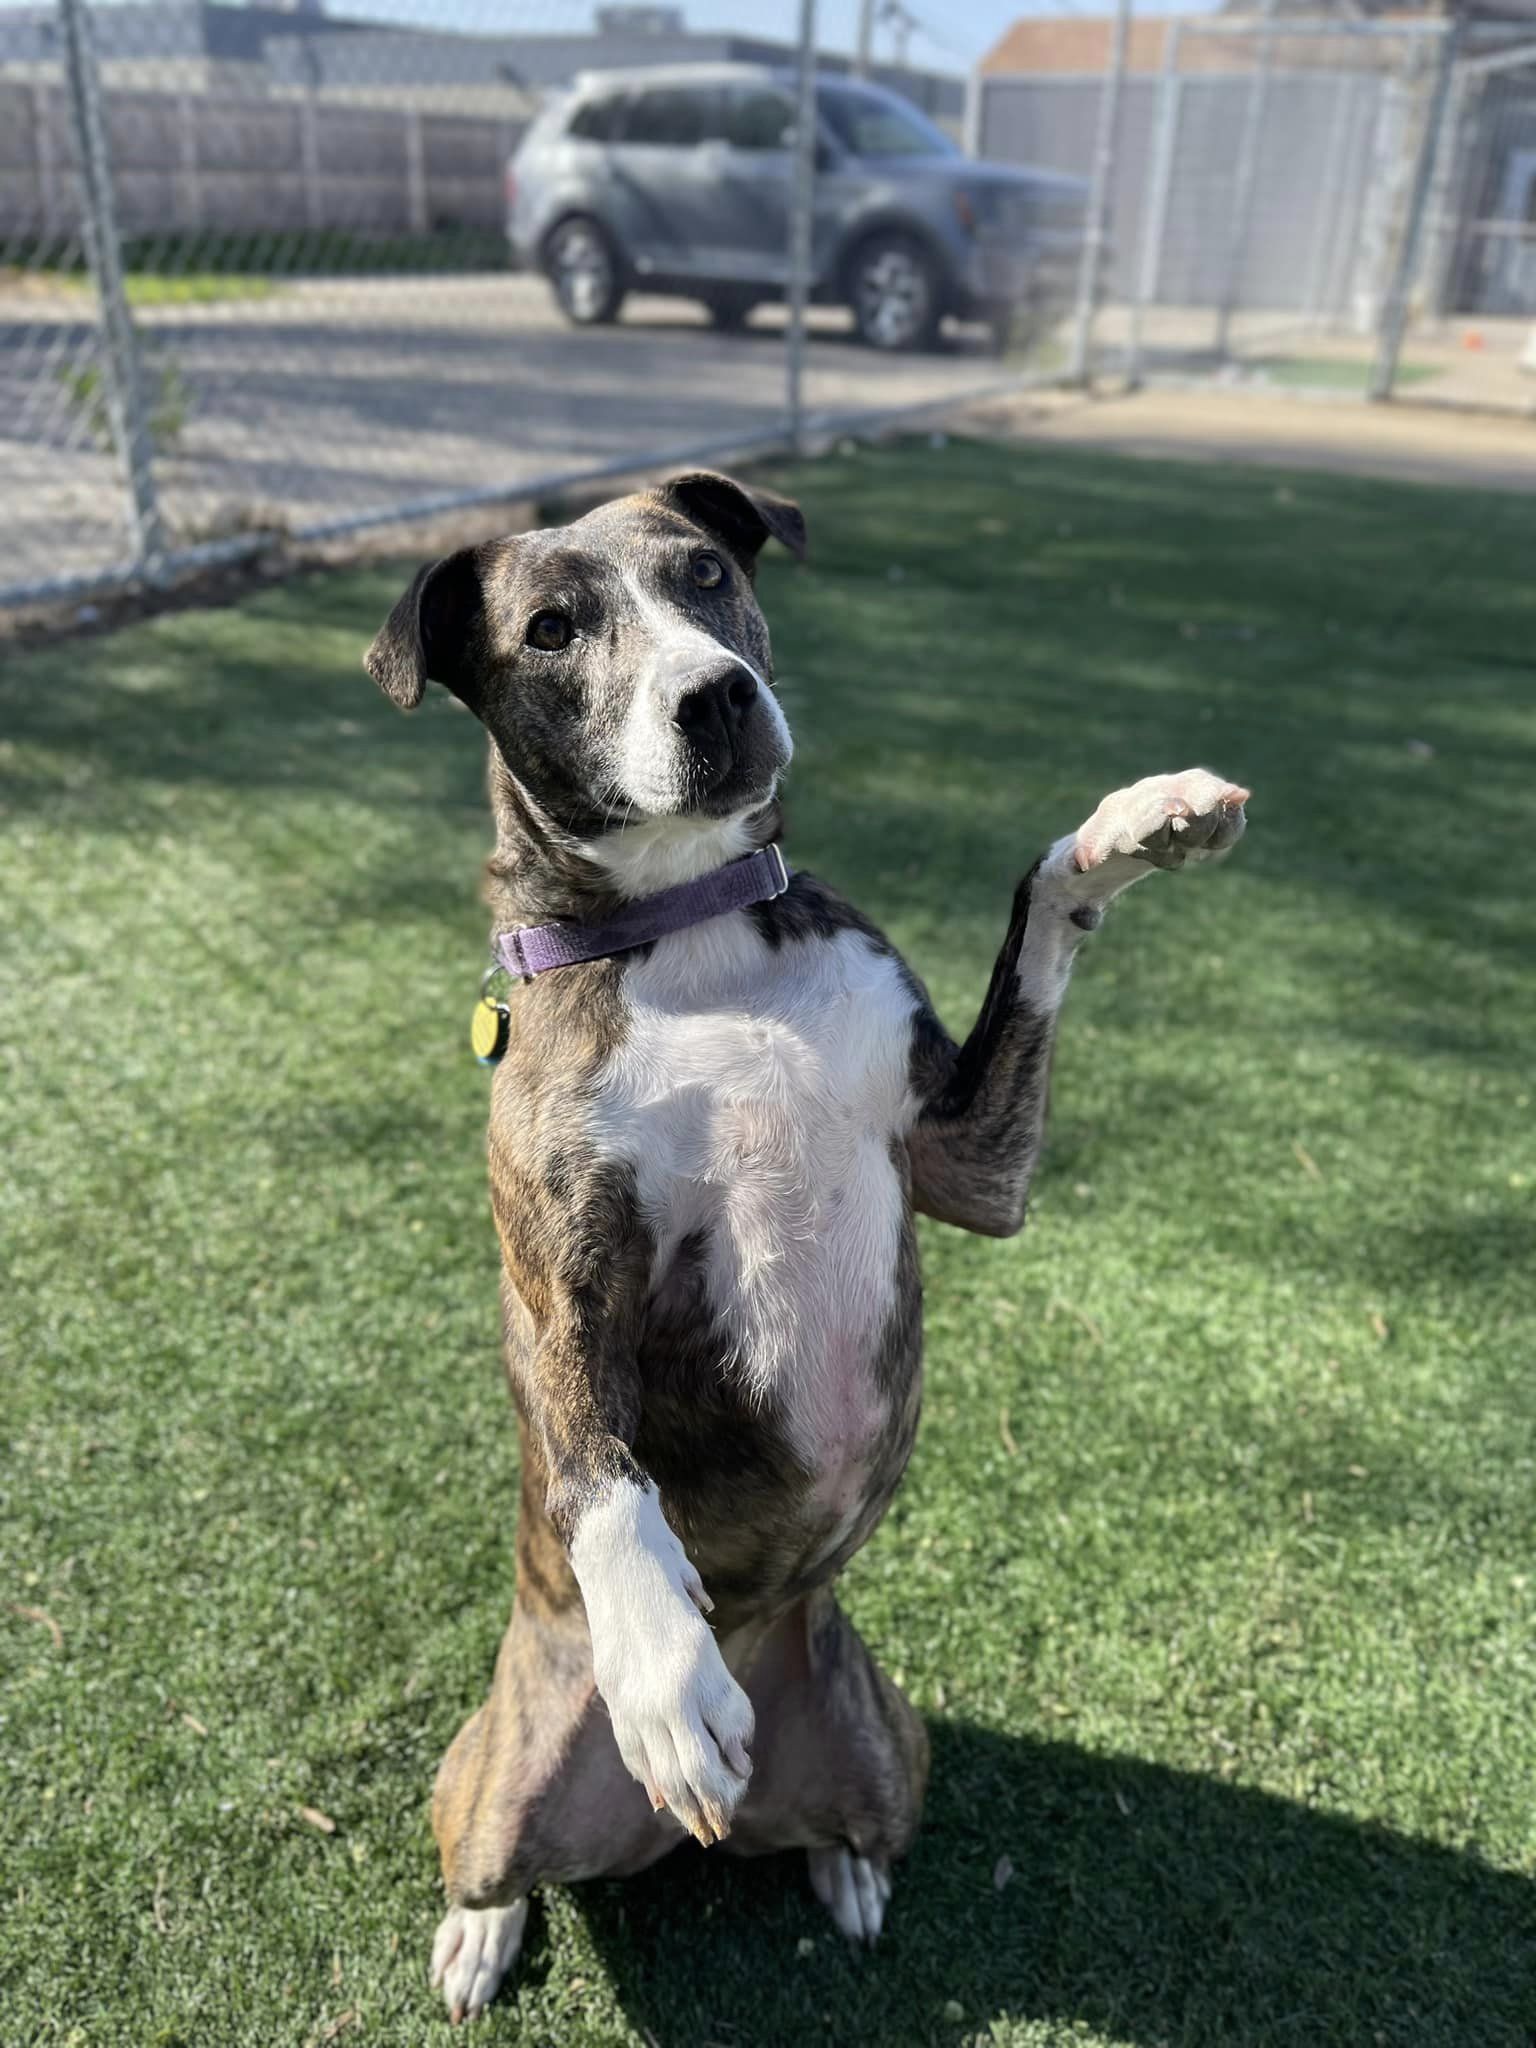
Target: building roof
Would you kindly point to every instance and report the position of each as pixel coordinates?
(1069, 44)
(1076, 45)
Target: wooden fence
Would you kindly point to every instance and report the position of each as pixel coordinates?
(186, 162)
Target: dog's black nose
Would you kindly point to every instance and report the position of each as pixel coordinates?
(712, 711)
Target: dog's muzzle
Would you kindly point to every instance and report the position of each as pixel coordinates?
(730, 745)
(712, 713)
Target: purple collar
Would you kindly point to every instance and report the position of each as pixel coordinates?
(536, 948)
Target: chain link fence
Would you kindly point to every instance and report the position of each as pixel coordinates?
(1338, 206)
(256, 279)
(255, 275)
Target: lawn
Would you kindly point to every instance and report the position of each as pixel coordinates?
(148, 287)
(1214, 1571)
(191, 288)
(1335, 373)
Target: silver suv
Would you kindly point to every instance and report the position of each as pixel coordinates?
(679, 180)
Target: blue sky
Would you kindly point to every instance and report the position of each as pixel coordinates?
(957, 31)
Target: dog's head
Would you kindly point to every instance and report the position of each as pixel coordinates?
(620, 664)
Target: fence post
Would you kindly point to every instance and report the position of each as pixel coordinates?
(801, 225)
(45, 157)
(1394, 316)
(1442, 195)
(416, 171)
(1154, 227)
(191, 184)
(309, 159)
(120, 354)
(1244, 179)
(975, 114)
(1325, 243)
(1091, 269)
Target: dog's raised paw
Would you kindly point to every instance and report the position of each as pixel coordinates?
(1164, 820)
(472, 1953)
(854, 1889)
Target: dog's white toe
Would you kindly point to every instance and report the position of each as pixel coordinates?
(472, 1954)
(854, 1889)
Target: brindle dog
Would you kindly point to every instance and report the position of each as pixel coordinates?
(705, 1158)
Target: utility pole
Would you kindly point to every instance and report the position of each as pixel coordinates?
(862, 54)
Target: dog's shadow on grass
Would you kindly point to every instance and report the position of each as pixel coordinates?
(1050, 1885)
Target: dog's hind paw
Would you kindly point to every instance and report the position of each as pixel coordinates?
(472, 1954)
(854, 1889)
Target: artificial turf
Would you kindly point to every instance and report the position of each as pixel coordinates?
(1214, 1568)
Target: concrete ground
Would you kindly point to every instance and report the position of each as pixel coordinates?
(1464, 362)
(330, 398)
(1415, 443)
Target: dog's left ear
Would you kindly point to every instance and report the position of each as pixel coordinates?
(424, 639)
(743, 520)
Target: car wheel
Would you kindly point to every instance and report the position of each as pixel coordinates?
(730, 311)
(894, 290)
(584, 268)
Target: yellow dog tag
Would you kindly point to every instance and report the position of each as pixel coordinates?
(489, 1029)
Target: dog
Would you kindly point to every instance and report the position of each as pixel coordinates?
(708, 1140)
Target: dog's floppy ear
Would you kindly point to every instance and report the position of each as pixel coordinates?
(423, 639)
(742, 519)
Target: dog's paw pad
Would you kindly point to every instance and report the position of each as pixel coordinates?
(472, 1954)
(1164, 820)
(854, 1889)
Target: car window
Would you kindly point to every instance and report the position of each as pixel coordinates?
(596, 120)
(673, 117)
(756, 118)
(870, 124)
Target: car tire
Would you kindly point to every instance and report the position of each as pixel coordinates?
(895, 294)
(730, 311)
(585, 271)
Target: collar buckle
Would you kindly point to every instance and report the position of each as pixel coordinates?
(522, 972)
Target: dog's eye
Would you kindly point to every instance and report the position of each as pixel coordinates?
(549, 630)
(708, 571)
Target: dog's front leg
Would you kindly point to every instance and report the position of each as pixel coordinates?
(974, 1146)
(681, 1722)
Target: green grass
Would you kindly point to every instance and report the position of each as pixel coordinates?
(1334, 373)
(155, 288)
(191, 288)
(1214, 1568)
(225, 263)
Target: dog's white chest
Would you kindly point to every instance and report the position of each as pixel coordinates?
(758, 1096)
